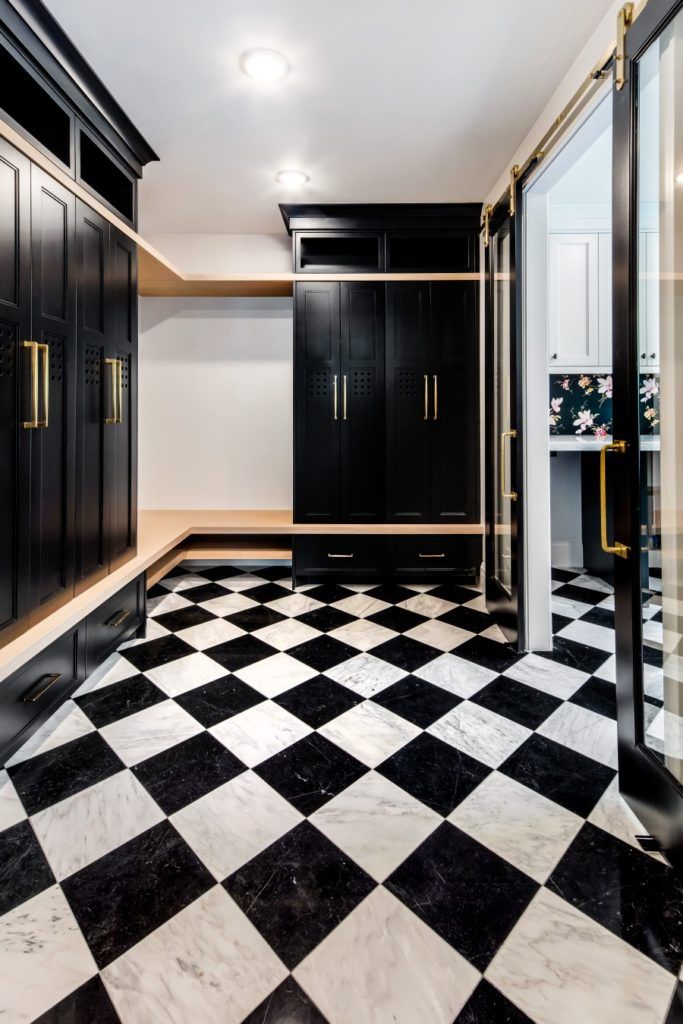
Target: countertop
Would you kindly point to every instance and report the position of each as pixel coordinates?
(579, 443)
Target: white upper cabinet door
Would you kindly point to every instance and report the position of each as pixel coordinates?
(651, 340)
(605, 300)
(573, 303)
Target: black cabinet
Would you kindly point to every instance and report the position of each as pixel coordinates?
(370, 558)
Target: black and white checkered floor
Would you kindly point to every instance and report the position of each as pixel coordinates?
(347, 804)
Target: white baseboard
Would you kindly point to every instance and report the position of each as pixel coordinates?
(566, 554)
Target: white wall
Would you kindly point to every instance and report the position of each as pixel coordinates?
(215, 403)
(226, 254)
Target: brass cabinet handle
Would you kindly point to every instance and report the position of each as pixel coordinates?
(336, 399)
(116, 390)
(119, 618)
(41, 687)
(440, 555)
(435, 414)
(512, 434)
(45, 353)
(338, 556)
(32, 423)
(426, 410)
(622, 550)
(38, 348)
(344, 397)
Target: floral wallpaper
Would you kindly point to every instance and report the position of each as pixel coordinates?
(582, 404)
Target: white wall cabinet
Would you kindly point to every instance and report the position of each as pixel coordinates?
(573, 303)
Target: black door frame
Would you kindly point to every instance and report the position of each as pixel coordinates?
(649, 788)
(508, 612)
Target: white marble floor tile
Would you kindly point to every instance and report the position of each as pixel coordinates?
(613, 815)
(427, 604)
(139, 736)
(370, 732)
(365, 674)
(294, 604)
(184, 674)
(494, 633)
(113, 670)
(153, 631)
(457, 675)
(65, 724)
(419, 588)
(228, 605)
(275, 674)
(440, 635)
(43, 956)
(376, 823)
(286, 634)
(518, 824)
(361, 605)
(543, 674)
(593, 583)
(357, 588)
(208, 963)
(78, 830)
(589, 633)
(382, 964)
(166, 603)
(568, 607)
(362, 634)
(478, 603)
(233, 823)
(260, 732)
(209, 634)
(583, 730)
(245, 582)
(560, 967)
(11, 808)
(177, 584)
(480, 733)
(608, 670)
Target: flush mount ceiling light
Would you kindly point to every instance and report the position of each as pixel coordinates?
(679, 178)
(293, 179)
(264, 65)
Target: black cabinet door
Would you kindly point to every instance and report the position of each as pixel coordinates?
(317, 403)
(362, 401)
(453, 380)
(15, 315)
(93, 398)
(122, 329)
(53, 259)
(408, 398)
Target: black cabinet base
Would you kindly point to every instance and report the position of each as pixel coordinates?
(362, 558)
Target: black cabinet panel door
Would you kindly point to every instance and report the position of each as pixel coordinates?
(122, 438)
(362, 401)
(53, 440)
(454, 420)
(15, 314)
(93, 397)
(408, 401)
(317, 402)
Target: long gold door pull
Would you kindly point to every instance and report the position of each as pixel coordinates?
(344, 397)
(619, 549)
(435, 412)
(336, 397)
(32, 423)
(512, 434)
(116, 391)
(38, 348)
(426, 397)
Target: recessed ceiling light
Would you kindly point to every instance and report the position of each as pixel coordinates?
(264, 65)
(679, 178)
(293, 179)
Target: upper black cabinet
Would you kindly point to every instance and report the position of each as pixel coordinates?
(338, 252)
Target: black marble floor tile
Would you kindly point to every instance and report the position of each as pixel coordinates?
(183, 618)
(205, 592)
(255, 618)
(186, 771)
(515, 700)
(631, 894)
(214, 702)
(288, 1004)
(583, 594)
(298, 890)
(597, 695)
(488, 653)
(325, 619)
(467, 618)
(274, 572)
(157, 591)
(157, 652)
(120, 699)
(560, 621)
(322, 652)
(268, 592)
(58, 773)
(398, 619)
(89, 1004)
(416, 700)
(125, 895)
(564, 575)
(655, 658)
(310, 772)
(455, 593)
(328, 593)
(318, 700)
(240, 652)
(391, 593)
(24, 871)
(600, 617)
(405, 653)
(487, 1005)
(434, 772)
(573, 654)
(470, 897)
(675, 1015)
(220, 572)
(563, 775)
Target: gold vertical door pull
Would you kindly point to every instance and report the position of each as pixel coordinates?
(120, 375)
(334, 387)
(32, 423)
(45, 353)
(511, 434)
(435, 414)
(619, 549)
(116, 391)
(426, 398)
(344, 397)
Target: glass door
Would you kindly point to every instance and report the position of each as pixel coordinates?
(503, 424)
(647, 454)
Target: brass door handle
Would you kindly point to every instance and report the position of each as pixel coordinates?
(119, 618)
(619, 549)
(441, 555)
(32, 423)
(41, 687)
(435, 412)
(38, 348)
(426, 397)
(338, 556)
(344, 397)
(512, 434)
(334, 387)
(45, 353)
(116, 390)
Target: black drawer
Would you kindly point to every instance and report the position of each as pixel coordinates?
(353, 557)
(32, 692)
(114, 621)
(437, 555)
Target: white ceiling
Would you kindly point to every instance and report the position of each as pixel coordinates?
(387, 100)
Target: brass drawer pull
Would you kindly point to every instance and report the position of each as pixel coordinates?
(441, 555)
(119, 618)
(619, 549)
(329, 555)
(41, 687)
